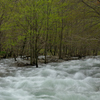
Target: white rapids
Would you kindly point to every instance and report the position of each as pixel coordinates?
(69, 80)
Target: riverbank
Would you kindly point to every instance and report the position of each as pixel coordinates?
(26, 62)
(41, 59)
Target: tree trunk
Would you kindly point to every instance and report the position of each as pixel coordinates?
(36, 53)
(23, 46)
(47, 29)
(32, 50)
(61, 38)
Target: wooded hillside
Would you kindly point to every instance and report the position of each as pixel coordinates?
(49, 27)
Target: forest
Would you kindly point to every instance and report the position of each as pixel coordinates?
(49, 27)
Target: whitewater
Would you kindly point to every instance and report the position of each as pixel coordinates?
(68, 80)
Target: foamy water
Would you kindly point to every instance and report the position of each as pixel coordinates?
(70, 80)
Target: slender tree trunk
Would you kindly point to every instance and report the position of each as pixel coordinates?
(36, 53)
(45, 53)
(36, 42)
(61, 38)
(23, 46)
(47, 29)
(0, 40)
(32, 51)
(55, 39)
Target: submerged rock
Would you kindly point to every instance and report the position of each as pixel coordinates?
(21, 64)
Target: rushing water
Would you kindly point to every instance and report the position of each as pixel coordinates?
(70, 80)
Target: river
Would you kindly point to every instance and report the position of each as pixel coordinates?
(68, 80)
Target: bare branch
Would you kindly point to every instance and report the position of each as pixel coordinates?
(91, 7)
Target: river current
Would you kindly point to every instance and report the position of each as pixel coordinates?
(69, 80)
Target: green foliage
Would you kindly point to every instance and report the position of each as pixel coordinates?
(50, 23)
(2, 53)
